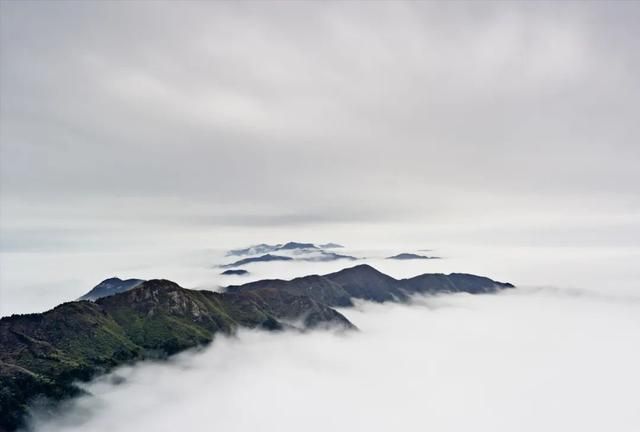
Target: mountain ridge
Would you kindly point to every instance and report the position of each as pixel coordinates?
(411, 256)
(43, 355)
(367, 283)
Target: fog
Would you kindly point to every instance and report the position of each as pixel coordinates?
(530, 359)
(560, 352)
(39, 279)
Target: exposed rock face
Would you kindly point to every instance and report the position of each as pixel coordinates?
(43, 354)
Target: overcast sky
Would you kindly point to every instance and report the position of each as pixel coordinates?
(182, 127)
(303, 112)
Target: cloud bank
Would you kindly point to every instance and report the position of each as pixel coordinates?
(528, 360)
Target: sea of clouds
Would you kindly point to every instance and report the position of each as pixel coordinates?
(527, 359)
(560, 352)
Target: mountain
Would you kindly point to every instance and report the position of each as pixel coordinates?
(236, 272)
(44, 354)
(295, 245)
(300, 251)
(262, 258)
(254, 250)
(327, 256)
(263, 248)
(330, 246)
(410, 256)
(366, 283)
(111, 286)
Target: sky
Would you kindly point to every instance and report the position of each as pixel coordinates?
(506, 116)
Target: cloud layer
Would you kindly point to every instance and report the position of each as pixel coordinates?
(279, 113)
(526, 360)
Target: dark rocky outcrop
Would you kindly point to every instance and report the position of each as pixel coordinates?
(235, 272)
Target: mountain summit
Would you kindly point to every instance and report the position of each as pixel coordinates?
(111, 286)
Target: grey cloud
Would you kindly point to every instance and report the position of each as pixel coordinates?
(372, 109)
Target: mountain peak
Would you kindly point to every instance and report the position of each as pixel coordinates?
(411, 256)
(296, 245)
(111, 286)
(360, 269)
(331, 245)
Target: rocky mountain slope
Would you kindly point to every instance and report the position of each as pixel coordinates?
(42, 355)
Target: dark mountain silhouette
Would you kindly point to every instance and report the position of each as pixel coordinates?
(295, 245)
(262, 258)
(111, 286)
(237, 272)
(410, 256)
(327, 256)
(44, 354)
(263, 248)
(330, 246)
(366, 283)
(258, 249)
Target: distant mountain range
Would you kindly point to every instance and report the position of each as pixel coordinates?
(44, 354)
(262, 258)
(296, 251)
(264, 248)
(326, 256)
(295, 245)
(254, 250)
(331, 246)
